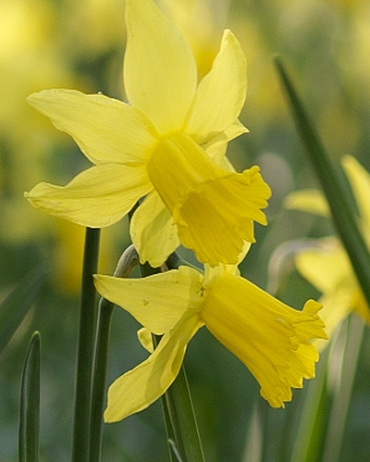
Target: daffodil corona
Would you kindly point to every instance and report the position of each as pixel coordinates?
(270, 338)
(167, 144)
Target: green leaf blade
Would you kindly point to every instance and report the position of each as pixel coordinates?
(30, 403)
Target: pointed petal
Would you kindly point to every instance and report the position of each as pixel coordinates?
(221, 94)
(97, 197)
(269, 337)
(105, 129)
(140, 387)
(159, 69)
(360, 183)
(308, 200)
(153, 232)
(157, 302)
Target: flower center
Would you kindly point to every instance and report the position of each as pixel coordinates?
(177, 166)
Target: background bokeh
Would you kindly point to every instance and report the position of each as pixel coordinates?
(68, 44)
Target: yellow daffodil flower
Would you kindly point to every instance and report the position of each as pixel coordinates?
(326, 266)
(167, 143)
(269, 337)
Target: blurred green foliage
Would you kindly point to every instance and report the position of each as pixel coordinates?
(69, 44)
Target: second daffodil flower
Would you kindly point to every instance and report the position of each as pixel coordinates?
(269, 337)
(167, 144)
(326, 265)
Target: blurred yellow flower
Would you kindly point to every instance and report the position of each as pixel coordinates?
(327, 265)
(269, 337)
(168, 143)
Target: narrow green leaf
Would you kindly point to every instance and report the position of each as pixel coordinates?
(340, 206)
(85, 349)
(16, 305)
(30, 404)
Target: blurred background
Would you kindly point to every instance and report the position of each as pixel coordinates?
(68, 44)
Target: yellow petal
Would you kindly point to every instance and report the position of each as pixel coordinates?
(97, 197)
(327, 268)
(214, 209)
(360, 184)
(308, 200)
(153, 232)
(157, 302)
(140, 387)
(105, 129)
(221, 94)
(159, 69)
(269, 337)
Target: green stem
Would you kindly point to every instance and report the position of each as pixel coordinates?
(340, 206)
(182, 429)
(99, 377)
(85, 345)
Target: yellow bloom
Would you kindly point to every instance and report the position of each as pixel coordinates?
(168, 143)
(270, 338)
(327, 265)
